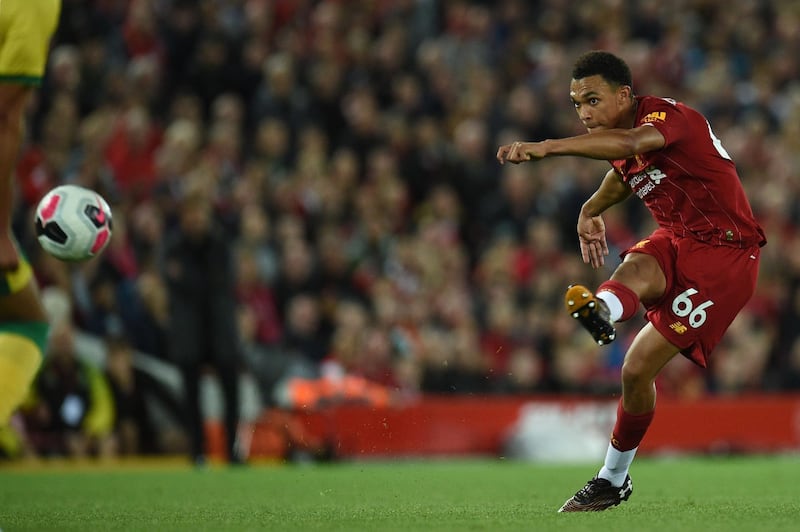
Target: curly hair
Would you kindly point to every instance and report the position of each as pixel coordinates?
(607, 65)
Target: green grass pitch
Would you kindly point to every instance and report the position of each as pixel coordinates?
(712, 494)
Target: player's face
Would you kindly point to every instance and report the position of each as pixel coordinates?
(195, 220)
(599, 105)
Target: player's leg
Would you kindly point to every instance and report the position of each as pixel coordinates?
(19, 296)
(648, 353)
(23, 333)
(20, 359)
(639, 277)
(25, 32)
(19, 362)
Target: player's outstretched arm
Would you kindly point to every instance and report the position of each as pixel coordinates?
(608, 144)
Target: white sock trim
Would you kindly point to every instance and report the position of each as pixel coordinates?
(616, 465)
(613, 302)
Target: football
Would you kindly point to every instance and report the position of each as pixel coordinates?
(73, 223)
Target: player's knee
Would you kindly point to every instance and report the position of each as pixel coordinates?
(635, 374)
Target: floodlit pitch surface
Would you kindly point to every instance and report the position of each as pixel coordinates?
(704, 494)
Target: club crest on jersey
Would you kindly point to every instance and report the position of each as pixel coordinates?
(655, 116)
(653, 176)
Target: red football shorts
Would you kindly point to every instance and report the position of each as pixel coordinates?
(707, 286)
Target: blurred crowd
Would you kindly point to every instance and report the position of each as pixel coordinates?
(345, 152)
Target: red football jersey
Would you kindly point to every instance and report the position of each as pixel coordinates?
(690, 185)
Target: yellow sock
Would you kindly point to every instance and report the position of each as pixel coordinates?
(20, 358)
(10, 444)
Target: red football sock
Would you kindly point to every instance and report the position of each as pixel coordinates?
(629, 429)
(626, 296)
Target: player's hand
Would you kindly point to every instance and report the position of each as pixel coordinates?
(9, 257)
(518, 152)
(592, 237)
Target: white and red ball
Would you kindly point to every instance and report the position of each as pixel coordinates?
(73, 223)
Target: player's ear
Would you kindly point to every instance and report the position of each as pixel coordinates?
(624, 93)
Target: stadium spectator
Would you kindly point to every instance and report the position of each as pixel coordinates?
(199, 272)
(253, 292)
(525, 373)
(304, 333)
(72, 411)
(145, 314)
(135, 392)
(131, 150)
(270, 365)
(298, 271)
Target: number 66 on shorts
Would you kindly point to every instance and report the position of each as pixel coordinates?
(707, 286)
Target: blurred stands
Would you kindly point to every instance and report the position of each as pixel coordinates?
(348, 148)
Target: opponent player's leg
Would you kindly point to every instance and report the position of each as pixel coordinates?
(20, 358)
(20, 299)
(23, 333)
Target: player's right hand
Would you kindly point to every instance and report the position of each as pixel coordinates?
(516, 152)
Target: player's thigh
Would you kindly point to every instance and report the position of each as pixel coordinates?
(642, 273)
(13, 98)
(647, 266)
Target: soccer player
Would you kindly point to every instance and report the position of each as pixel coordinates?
(26, 28)
(693, 274)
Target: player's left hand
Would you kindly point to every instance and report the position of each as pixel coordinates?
(592, 237)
